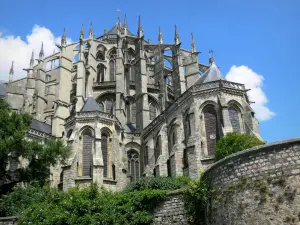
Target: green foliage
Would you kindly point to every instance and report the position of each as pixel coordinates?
(13, 145)
(91, 206)
(21, 197)
(158, 183)
(234, 142)
(196, 199)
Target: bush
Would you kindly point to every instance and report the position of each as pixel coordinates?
(158, 183)
(20, 198)
(196, 200)
(48, 206)
(234, 142)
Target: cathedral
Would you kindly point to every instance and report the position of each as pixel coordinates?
(129, 107)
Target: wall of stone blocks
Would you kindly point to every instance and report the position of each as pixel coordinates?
(257, 186)
(171, 211)
(11, 220)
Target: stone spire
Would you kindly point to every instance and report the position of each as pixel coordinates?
(31, 60)
(91, 31)
(177, 40)
(193, 44)
(11, 72)
(82, 32)
(41, 55)
(160, 38)
(119, 23)
(64, 39)
(140, 29)
(125, 25)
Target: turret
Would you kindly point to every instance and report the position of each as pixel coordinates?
(140, 29)
(11, 72)
(82, 32)
(91, 32)
(176, 39)
(192, 68)
(64, 39)
(193, 44)
(160, 37)
(41, 55)
(125, 26)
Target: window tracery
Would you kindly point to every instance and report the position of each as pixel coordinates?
(133, 165)
(87, 158)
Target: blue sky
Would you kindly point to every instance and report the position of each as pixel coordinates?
(263, 36)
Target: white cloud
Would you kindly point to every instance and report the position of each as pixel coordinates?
(13, 48)
(245, 75)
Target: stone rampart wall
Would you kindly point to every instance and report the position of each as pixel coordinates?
(171, 211)
(257, 186)
(12, 220)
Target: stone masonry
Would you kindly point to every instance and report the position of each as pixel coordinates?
(171, 211)
(257, 186)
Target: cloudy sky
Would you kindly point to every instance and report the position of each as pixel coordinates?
(254, 43)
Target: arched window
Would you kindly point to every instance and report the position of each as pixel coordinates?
(104, 148)
(157, 150)
(101, 106)
(133, 113)
(234, 119)
(87, 157)
(172, 137)
(100, 55)
(100, 73)
(113, 171)
(146, 155)
(112, 70)
(133, 165)
(211, 128)
(152, 111)
(107, 102)
(187, 126)
(109, 106)
(48, 77)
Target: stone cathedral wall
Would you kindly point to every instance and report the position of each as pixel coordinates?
(257, 186)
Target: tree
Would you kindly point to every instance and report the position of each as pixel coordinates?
(234, 142)
(14, 146)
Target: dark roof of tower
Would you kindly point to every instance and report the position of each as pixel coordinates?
(211, 74)
(40, 126)
(90, 105)
(114, 29)
(2, 89)
(130, 128)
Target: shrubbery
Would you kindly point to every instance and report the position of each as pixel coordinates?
(196, 200)
(90, 206)
(158, 183)
(234, 142)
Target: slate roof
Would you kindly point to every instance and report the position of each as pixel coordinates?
(130, 128)
(2, 89)
(114, 29)
(211, 74)
(41, 126)
(90, 105)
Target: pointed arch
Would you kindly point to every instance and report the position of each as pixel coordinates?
(112, 70)
(157, 149)
(87, 157)
(133, 164)
(106, 149)
(101, 69)
(153, 107)
(211, 128)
